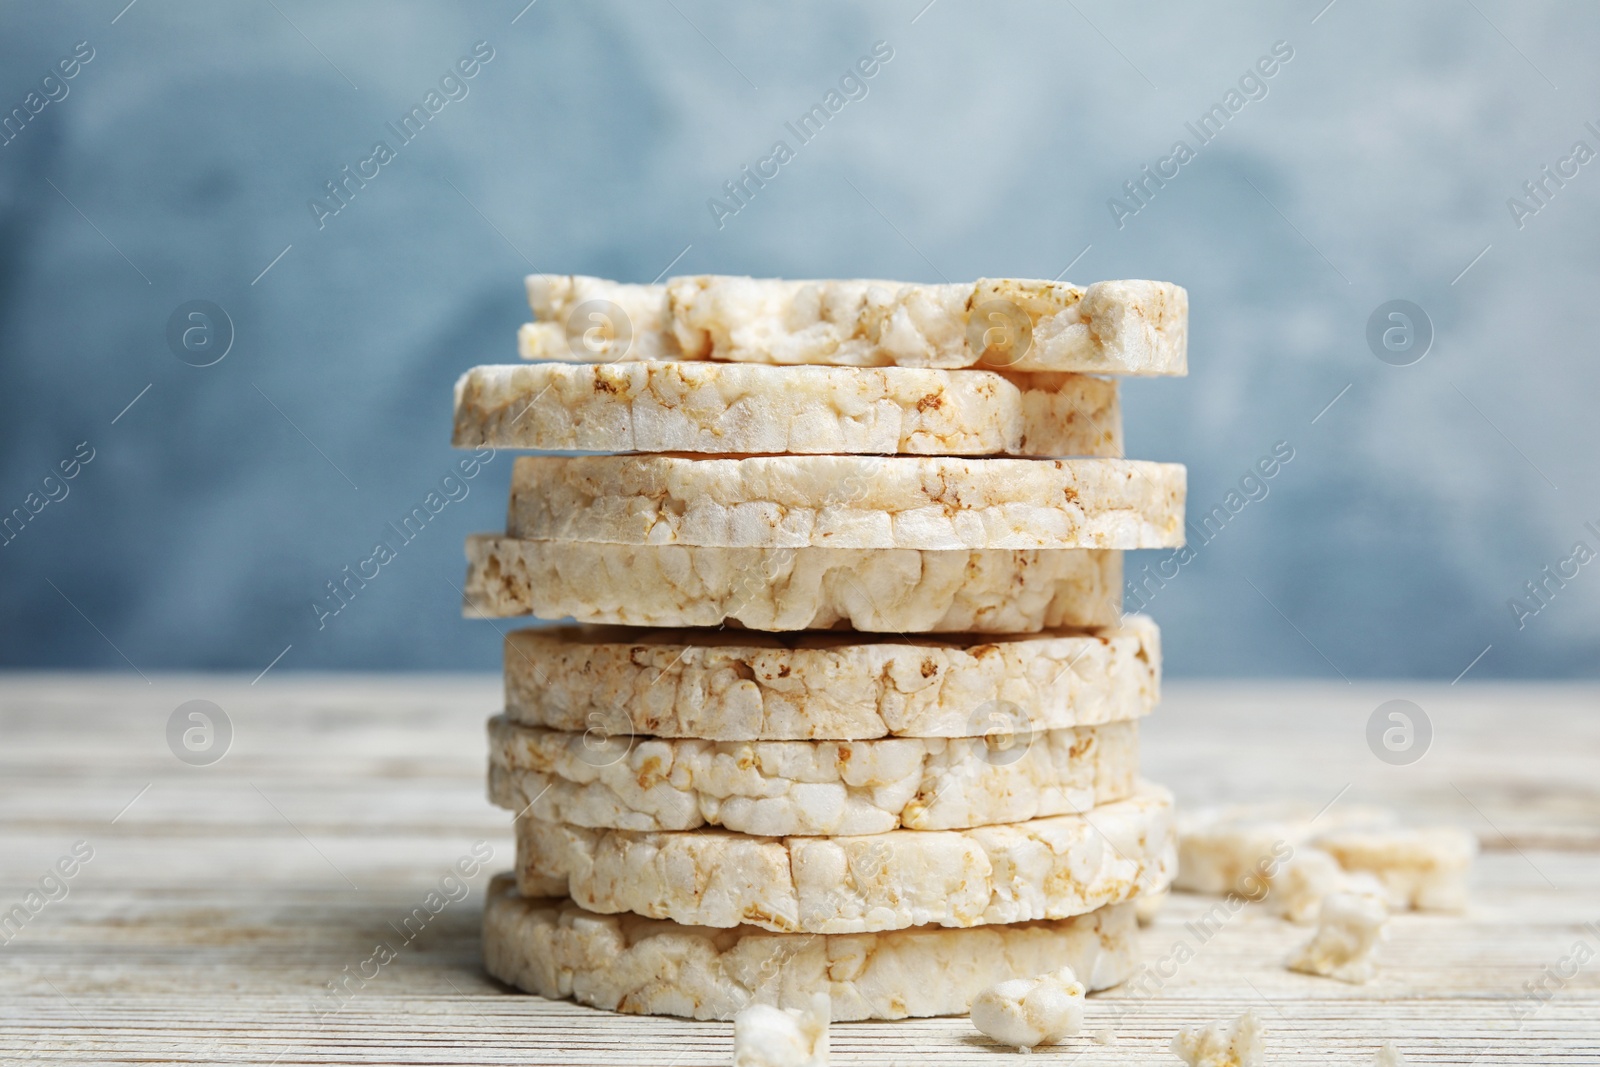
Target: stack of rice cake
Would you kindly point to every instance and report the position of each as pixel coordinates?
(851, 705)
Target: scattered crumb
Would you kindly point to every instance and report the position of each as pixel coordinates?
(1424, 868)
(1238, 1043)
(1105, 1036)
(1310, 875)
(1388, 1056)
(764, 1036)
(1345, 946)
(1234, 855)
(1239, 848)
(1146, 906)
(1025, 1012)
(1281, 852)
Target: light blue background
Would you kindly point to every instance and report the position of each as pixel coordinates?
(1377, 167)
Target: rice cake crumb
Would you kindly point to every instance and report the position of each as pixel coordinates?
(1236, 1043)
(1309, 876)
(1345, 946)
(1424, 868)
(1027, 1012)
(767, 1036)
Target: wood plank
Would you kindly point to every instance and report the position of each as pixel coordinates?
(219, 904)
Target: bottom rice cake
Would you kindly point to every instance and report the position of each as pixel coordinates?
(626, 963)
(1046, 868)
(881, 590)
(784, 788)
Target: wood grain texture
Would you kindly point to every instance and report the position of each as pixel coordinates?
(218, 906)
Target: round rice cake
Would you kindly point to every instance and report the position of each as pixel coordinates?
(626, 963)
(1047, 868)
(936, 503)
(877, 590)
(608, 780)
(828, 686)
(1134, 327)
(898, 591)
(742, 408)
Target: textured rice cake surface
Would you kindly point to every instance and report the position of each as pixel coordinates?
(742, 408)
(1113, 327)
(645, 966)
(595, 320)
(922, 502)
(783, 788)
(759, 687)
(1047, 868)
(879, 590)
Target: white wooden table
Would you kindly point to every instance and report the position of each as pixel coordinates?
(220, 900)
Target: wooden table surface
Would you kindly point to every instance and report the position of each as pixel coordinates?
(220, 900)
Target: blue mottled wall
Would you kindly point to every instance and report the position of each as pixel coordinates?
(1374, 164)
